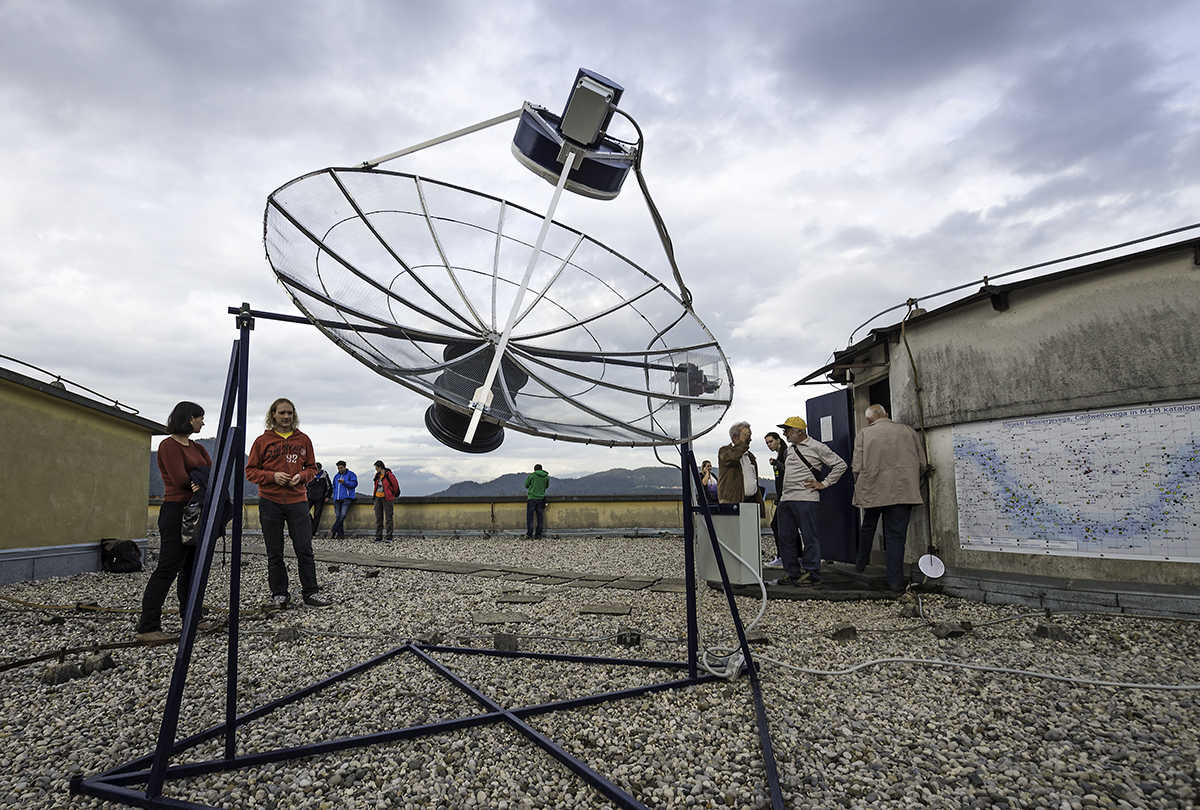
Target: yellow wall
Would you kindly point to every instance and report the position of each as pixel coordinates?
(478, 515)
(68, 474)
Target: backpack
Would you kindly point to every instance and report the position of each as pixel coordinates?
(120, 556)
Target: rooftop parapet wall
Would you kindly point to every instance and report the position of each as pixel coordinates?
(449, 514)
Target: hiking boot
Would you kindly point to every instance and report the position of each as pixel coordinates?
(312, 600)
(156, 635)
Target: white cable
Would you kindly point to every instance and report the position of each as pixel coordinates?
(1190, 687)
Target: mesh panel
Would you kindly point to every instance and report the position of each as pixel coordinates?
(416, 279)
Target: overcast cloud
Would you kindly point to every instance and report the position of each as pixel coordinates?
(816, 162)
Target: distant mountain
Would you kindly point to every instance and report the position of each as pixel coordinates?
(156, 483)
(619, 481)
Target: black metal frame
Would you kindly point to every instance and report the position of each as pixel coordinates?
(155, 769)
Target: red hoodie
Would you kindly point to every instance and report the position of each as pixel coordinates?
(272, 453)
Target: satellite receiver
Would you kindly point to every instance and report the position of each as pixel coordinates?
(426, 283)
(499, 314)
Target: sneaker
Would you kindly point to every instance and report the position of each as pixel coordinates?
(156, 635)
(279, 601)
(313, 600)
(808, 578)
(775, 563)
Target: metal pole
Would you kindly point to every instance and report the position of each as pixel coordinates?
(483, 394)
(191, 615)
(245, 323)
(449, 136)
(760, 710)
(689, 540)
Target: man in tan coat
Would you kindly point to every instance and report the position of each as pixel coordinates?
(737, 469)
(889, 461)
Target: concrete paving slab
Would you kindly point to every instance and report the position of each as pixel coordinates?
(549, 581)
(519, 599)
(629, 584)
(607, 608)
(498, 617)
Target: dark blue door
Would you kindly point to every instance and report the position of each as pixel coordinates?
(830, 421)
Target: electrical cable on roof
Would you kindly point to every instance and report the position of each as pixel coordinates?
(986, 279)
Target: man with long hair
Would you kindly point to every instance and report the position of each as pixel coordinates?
(282, 463)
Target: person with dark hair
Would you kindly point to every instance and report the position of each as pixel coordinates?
(178, 455)
(318, 491)
(344, 484)
(708, 480)
(536, 484)
(775, 444)
(387, 490)
(281, 463)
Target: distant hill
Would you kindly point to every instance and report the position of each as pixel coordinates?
(156, 483)
(619, 481)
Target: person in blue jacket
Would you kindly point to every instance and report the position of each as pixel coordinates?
(344, 484)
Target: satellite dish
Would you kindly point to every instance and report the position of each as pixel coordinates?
(501, 315)
(931, 566)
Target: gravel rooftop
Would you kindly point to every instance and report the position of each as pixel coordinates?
(888, 736)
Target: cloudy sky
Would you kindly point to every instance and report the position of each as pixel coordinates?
(815, 162)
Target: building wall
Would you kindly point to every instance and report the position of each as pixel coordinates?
(1124, 336)
(1114, 337)
(85, 471)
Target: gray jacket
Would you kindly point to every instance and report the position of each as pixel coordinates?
(888, 461)
(796, 472)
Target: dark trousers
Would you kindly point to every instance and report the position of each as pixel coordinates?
(895, 531)
(535, 508)
(272, 516)
(793, 519)
(383, 513)
(341, 508)
(175, 561)
(316, 507)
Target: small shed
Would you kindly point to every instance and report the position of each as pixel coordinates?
(75, 471)
(1062, 416)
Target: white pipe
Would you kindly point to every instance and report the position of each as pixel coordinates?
(483, 394)
(449, 136)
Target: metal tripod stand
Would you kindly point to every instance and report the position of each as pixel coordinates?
(152, 771)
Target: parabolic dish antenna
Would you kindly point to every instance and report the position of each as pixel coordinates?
(420, 279)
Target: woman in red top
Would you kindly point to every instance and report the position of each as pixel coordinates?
(177, 456)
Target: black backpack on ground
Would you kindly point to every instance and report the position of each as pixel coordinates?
(120, 556)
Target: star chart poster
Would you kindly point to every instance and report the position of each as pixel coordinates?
(1123, 482)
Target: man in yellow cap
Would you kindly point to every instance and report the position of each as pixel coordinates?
(804, 476)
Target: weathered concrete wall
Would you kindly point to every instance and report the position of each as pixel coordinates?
(70, 474)
(498, 514)
(1121, 336)
(1116, 337)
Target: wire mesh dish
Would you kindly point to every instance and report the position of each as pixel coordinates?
(415, 278)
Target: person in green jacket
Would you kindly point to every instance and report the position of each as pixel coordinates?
(536, 484)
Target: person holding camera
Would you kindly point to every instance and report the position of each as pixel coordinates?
(889, 462)
(809, 467)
